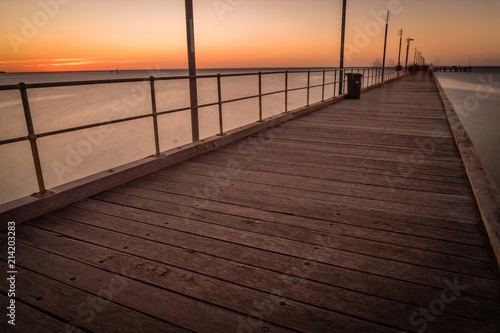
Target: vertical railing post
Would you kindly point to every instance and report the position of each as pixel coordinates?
(219, 99)
(154, 115)
(32, 137)
(363, 78)
(286, 91)
(260, 96)
(308, 85)
(334, 82)
(323, 86)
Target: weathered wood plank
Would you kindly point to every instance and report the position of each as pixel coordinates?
(288, 284)
(214, 291)
(350, 260)
(177, 193)
(92, 312)
(285, 225)
(270, 176)
(383, 250)
(316, 174)
(29, 319)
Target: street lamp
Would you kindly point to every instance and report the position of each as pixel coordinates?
(399, 54)
(408, 40)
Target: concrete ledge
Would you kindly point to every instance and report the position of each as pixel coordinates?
(485, 190)
(27, 208)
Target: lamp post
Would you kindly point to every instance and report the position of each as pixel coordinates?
(385, 45)
(408, 40)
(399, 54)
(342, 39)
(193, 90)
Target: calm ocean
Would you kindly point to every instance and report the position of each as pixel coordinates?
(476, 98)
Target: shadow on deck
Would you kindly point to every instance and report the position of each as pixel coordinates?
(358, 217)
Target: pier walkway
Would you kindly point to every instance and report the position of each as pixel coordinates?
(358, 217)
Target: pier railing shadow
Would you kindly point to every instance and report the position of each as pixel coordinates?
(329, 80)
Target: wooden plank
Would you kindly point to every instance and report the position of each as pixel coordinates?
(252, 192)
(79, 308)
(305, 317)
(291, 288)
(305, 206)
(317, 174)
(350, 260)
(390, 251)
(29, 319)
(438, 240)
(217, 169)
(145, 285)
(466, 233)
(361, 164)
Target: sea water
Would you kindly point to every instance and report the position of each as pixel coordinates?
(66, 157)
(476, 98)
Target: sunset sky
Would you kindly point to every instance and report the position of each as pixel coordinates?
(54, 35)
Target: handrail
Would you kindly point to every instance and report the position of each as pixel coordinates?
(371, 76)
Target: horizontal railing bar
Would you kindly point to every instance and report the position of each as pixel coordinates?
(160, 113)
(13, 140)
(82, 83)
(10, 87)
(104, 123)
(240, 99)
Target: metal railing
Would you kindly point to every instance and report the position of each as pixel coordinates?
(371, 76)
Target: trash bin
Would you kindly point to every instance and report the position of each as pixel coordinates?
(353, 85)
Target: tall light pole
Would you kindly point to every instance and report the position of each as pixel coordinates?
(193, 90)
(399, 54)
(342, 39)
(385, 45)
(408, 40)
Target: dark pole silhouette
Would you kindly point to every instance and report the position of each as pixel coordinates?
(342, 39)
(399, 54)
(193, 89)
(408, 40)
(385, 45)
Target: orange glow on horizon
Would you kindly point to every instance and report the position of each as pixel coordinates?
(97, 35)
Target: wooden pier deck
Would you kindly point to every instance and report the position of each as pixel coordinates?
(358, 217)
